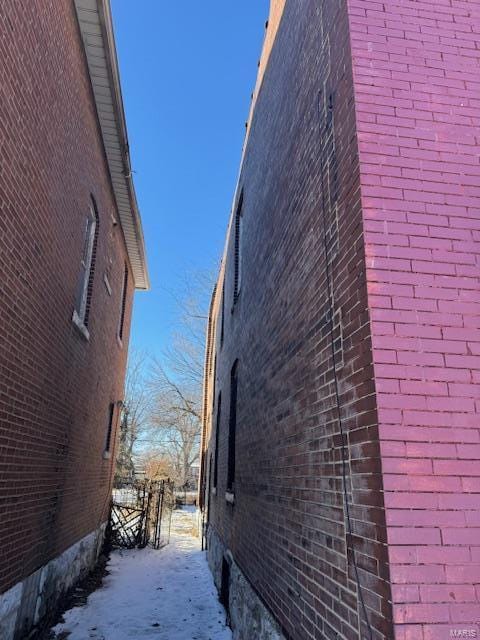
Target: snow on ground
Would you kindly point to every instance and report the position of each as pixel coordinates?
(153, 595)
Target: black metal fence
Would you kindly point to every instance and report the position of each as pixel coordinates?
(141, 513)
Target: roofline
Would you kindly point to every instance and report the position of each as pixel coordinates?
(272, 26)
(96, 27)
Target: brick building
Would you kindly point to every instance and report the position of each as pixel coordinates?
(71, 255)
(341, 446)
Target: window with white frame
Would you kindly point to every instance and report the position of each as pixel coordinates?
(87, 264)
(124, 303)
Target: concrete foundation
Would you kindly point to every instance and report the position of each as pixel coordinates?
(249, 618)
(24, 606)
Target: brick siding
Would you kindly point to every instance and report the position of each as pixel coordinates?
(286, 529)
(55, 386)
(417, 91)
(396, 193)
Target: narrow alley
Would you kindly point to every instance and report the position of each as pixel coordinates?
(154, 595)
(240, 270)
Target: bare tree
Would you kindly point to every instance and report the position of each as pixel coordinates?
(162, 414)
(176, 418)
(155, 465)
(177, 379)
(136, 414)
(184, 358)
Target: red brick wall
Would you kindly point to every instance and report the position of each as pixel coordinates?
(417, 89)
(55, 387)
(286, 529)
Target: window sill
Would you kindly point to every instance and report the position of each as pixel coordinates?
(230, 497)
(107, 455)
(80, 326)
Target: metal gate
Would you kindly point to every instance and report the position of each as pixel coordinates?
(141, 513)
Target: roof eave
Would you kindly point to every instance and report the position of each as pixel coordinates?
(96, 27)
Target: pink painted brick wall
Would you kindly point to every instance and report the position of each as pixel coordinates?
(417, 84)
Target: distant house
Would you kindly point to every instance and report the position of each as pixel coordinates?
(71, 256)
(194, 477)
(341, 446)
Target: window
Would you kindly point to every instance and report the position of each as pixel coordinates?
(238, 250)
(84, 293)
(217, 440)
(222, 329)
(111, 414)
(232, 427)
(214, 380)
(124, 302)
(209, 485)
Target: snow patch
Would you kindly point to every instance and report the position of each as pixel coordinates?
(165, 594)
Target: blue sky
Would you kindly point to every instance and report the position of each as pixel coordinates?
(188, 70)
